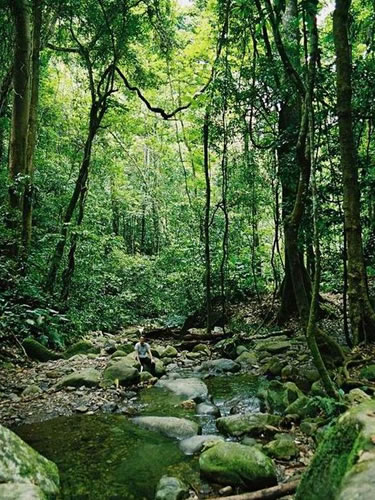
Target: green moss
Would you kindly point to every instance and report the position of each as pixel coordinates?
(81, 347)
(338, 453)
(35, 350)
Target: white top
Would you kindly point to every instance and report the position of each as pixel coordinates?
(142, 349)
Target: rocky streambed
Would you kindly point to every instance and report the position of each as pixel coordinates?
(212, 419)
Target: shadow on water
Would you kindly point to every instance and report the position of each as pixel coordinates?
(107, 456)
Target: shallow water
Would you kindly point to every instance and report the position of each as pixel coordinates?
(108, 457)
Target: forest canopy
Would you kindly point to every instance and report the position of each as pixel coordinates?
(162, 157)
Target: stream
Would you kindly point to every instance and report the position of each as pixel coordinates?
(106, 456)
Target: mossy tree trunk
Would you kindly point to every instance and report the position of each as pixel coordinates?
(20, 115)
(362, 316)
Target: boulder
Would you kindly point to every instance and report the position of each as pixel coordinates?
(171, 488)
(36, 351)
(31, 390)
(179, 428)
(240, 349)
(252, 424)
(118, 354)
(146, 377)
(121, 371)
(343, 467)
(238, 465)
(81, 347)
(357, 396)
(23, 467)
(159, 368)
(194, 444)
(278, 396)
(169, 352)
(207, 408)
(273, 346)
(303, 408)
(202, 349)
(282, 448)
(88, 377)
(189, 388)
(221, 365)
(21, 491)
(247, 358)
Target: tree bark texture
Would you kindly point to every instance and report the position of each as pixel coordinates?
(362, 316)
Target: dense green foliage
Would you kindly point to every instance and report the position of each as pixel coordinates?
(139, 241)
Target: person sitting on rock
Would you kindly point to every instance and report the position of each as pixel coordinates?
(144, 357)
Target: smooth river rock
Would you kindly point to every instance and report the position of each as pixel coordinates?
(171, 488)
(238, 465)
(180, 428)
(221, 365)
(189, 388)
(194, 444)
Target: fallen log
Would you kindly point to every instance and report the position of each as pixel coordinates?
(278, 491)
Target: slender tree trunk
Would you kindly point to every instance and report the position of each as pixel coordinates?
(207, 250)
(79, 189)
(362, 316)
(20, 113)
(32, 131)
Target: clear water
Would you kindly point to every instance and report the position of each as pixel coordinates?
(108, 457)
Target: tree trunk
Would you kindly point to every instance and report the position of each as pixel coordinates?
(362, 316)
(289, 126)
(32, 131)
(207, 250)
(20, 113)
(79, 190)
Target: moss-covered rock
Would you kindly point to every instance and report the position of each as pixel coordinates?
(118, 354)
(252, 424)
(238, 465)
(202, 348)
(282, 448)
(171, 488)
(303, 407)
(273, 346)
(247, 358)
(278, 396)
(20, 464)
(120, 372)
(343, 467)
(38, 352)
(169, 352)
(88, 377)
(81, 347)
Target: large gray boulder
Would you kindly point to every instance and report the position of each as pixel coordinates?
(171, 488)
(343, 467)
(88, 377)
(221, 365)
(238, 465)
(251, 424)
(194, 444)
(189, 388)
(25, 469)
(122, 372)
(179, 428)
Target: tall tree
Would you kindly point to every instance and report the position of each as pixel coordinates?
(362, 316)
